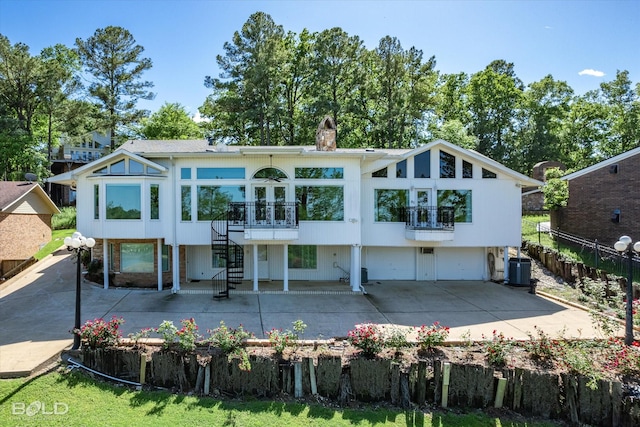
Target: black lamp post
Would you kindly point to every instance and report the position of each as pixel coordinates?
(624, 245)
(78, 243)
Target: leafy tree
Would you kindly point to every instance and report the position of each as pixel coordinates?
(114, 61)
(171, 121)
(623, 105)
(249, 85)
(454, 132)
(555, 190)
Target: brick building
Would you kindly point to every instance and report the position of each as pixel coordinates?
(25, 221)
(604, 200)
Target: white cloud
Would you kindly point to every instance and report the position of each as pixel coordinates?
(199, 119)
(591, 72)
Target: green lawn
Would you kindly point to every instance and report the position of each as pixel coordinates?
(73, 399)
(57, 240)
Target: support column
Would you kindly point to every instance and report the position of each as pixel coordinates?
(175, 258)
(355, 275)
(285, 278)
(105, 263)
(255, 267)
(159, 255)
(506, 264)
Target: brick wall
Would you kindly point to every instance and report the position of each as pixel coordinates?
(141, 280)
(22, 235)
(595, 196)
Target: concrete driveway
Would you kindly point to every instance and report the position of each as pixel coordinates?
(37, 310)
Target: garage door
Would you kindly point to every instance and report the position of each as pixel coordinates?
(390, 263)
(460, 263)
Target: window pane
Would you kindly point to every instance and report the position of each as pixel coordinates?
(447, 165)
(303, 256)
(389, 205)
(101, 171)
(381, 173)
(220, 173)
(467, 169)
(186, 202)
(320, 203)
(214, 200)
(185, 173)
(460, 200)
(488, 174)
(123, 201)
(96, 201)
(270, 173)
(135, 167)
(152, 171)
(154, 195)
(401, 169)
(319, 173)
(117, 167)
(136, 257)
(165, 258)
(422, 165)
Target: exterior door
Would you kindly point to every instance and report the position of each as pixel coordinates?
(423, 213)
(263, 262)
(269, 201)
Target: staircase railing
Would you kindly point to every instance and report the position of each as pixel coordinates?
(231, 253)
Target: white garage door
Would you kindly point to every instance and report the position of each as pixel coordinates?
(460, 263)
(390, 263)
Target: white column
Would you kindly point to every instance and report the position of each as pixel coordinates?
(506, 264)
(175, 258)
(159, 255)
(105, 263)
(355, 275)
(285, 280)
(255, 267)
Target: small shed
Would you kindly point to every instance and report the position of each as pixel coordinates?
(25, 221)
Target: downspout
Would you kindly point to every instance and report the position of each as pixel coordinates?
(175, 250)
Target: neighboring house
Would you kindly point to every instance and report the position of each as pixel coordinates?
(25, 221)
(532, 197)
(72, 155)
(167, 213)
(604, 200)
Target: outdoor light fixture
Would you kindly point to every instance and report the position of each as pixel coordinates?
(78, 243)
(624, 245)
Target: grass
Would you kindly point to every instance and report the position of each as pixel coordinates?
(57, 240)
(84, 401)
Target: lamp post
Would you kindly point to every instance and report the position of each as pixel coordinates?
(624, 245)
(78, 243)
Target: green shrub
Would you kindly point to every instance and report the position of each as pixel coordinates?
(65, 219)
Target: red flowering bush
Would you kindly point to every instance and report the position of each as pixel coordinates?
(623, 358)
(98, 333)
(432, 336)
(368, 338)
(229, 340)
(280, 339)
(497, 348)
(186, 337)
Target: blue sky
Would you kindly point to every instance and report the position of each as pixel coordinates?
(182, 38)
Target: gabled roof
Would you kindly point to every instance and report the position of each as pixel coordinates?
(13, 193)
(68, 178)
(603, 164)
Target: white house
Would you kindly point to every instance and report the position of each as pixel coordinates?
(167, 213)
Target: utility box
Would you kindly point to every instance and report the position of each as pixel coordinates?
(364, 276)
(520, 271)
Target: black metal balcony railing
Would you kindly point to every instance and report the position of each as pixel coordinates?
(264, 214)
(429, 217)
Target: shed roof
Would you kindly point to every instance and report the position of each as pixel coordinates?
(12, 192)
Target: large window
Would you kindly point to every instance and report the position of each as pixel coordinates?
(136, 257)
(447, 165)
(319, 173)
(220, 173)
(422, 165)
(123, 201)
(460, 200)
(185, 195)
(154, 201)
(389, 205)
(401, 169)
(214, 200)
(303, 256)
(320, 203)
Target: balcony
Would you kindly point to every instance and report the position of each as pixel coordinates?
(429, 223)
(265, 220)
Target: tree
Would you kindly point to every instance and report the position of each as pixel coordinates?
(454, 132)
(623, 105)
(250, 82)
(171, 121)
(115, 63)
(555, 190)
